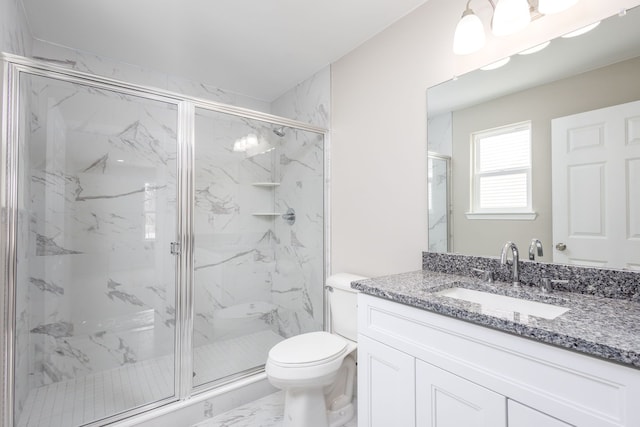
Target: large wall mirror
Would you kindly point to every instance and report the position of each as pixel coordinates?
(545, 147)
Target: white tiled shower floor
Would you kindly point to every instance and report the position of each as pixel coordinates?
(84, 399)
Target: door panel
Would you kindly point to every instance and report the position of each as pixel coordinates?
(95, 298)
(596, 187)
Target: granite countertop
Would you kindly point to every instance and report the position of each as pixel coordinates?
(598, 326)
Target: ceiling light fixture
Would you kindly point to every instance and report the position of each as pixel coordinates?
(509, 16)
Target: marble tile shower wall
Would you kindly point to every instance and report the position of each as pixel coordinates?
(299, 248)
(277, 270)
(94, 64)
(100, 282)
(15, 36)
(309, 101)
(234, 256)
(248, 265)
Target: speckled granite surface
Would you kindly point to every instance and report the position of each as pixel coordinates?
(608, 328)
(585, 280)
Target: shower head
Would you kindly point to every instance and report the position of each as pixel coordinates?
(279, 131)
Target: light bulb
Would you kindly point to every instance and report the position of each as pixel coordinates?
(510, 16)
(549, 7)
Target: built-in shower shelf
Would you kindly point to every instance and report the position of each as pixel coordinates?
(266, 214)
(265, 184)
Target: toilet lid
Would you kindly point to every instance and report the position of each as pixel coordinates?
(313, 347)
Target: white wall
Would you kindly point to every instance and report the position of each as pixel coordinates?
(378, 121)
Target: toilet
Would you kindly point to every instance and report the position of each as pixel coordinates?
(317, 370)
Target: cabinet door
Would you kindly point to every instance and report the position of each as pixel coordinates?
(446, 400)
(523, 416)
(386, 385)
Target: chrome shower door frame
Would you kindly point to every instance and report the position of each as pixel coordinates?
(12, 67)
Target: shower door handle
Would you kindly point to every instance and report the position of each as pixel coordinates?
(175, 248)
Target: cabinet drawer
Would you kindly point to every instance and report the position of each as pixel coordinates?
(582, 390)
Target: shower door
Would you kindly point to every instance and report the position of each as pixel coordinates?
(95, 297)
(258, 241)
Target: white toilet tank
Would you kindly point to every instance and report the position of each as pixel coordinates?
(343, 305)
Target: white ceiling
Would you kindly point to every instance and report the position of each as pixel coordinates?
(259, 48)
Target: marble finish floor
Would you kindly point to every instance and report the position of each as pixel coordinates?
(265, 412)
(92, 397)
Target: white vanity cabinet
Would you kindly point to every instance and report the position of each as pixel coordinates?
(388, 376)
(418, 368)
(446, 400)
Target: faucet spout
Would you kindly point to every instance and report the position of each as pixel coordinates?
(535, 246)
(510, 246)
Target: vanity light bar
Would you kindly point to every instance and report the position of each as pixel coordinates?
(509, 16)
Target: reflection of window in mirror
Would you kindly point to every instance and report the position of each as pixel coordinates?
(501, 171)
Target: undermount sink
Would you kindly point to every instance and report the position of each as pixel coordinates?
(501, 306)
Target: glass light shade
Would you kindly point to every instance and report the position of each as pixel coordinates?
(535, 49)
(510, 17)
(469, 36)
(495, 65)
(581, 31)
(549, 7)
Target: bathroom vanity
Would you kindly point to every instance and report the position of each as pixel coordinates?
(428, 359)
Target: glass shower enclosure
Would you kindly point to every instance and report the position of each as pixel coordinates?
(153, 246)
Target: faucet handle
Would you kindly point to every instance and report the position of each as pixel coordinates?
(487, 275)
(535, 246)
(546, 284)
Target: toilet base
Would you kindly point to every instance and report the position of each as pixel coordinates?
(342, 416)
(305, 407)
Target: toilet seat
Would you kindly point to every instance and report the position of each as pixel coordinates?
(310, 349)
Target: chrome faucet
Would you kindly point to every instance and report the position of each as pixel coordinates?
(503, 260)
(535, 246)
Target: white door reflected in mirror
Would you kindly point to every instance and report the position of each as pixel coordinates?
(596, 187)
